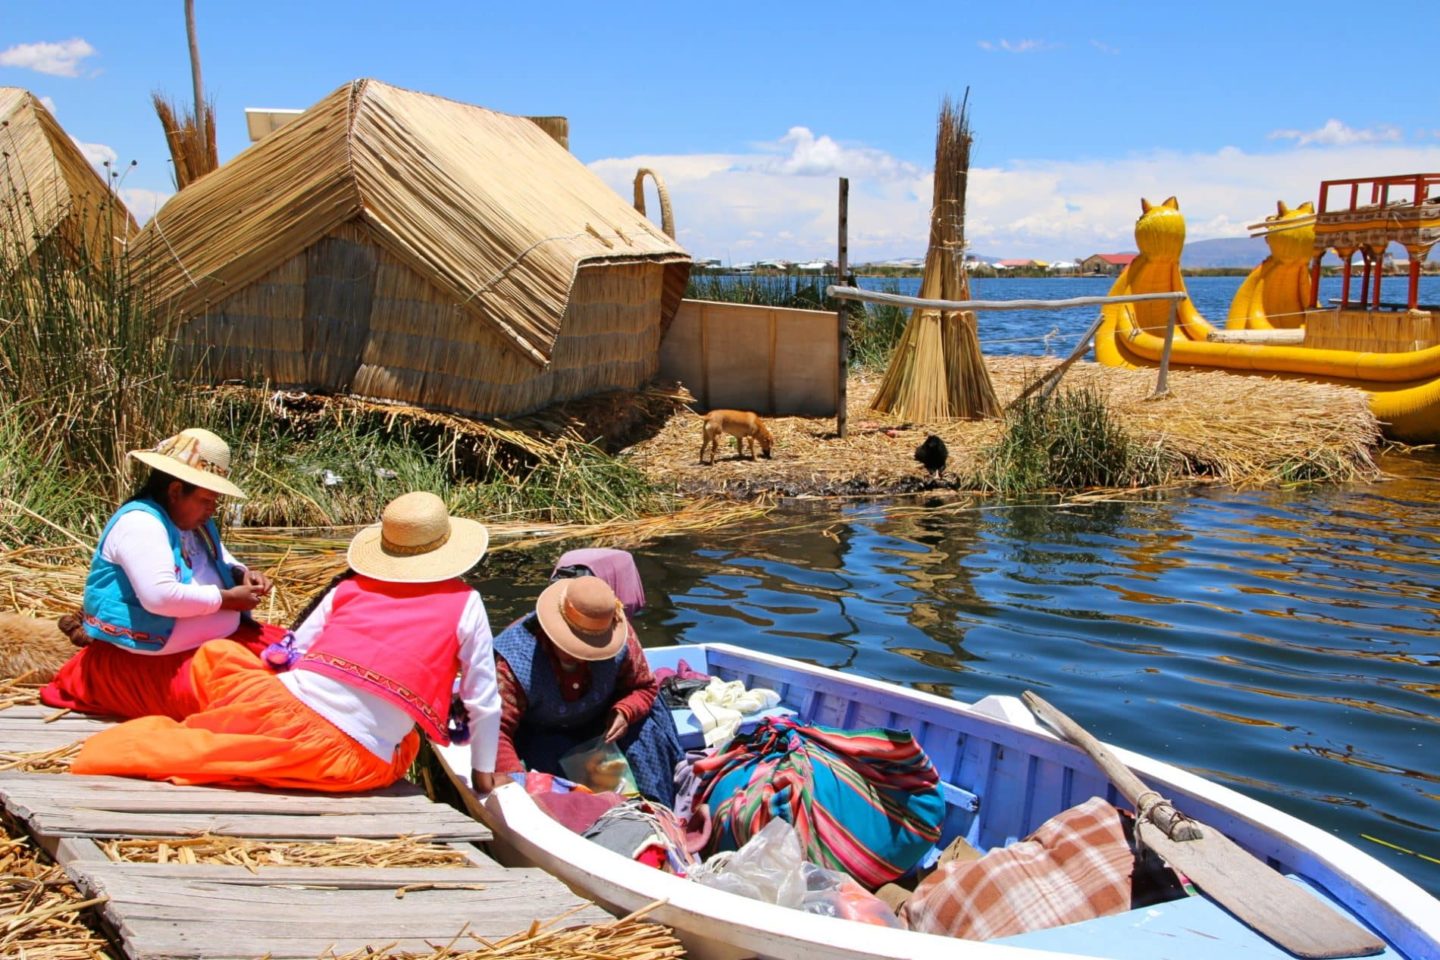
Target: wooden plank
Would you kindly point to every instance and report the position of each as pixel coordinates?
(70, 806)
(84, 823)
(214, 911)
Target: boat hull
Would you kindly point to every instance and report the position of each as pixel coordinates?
(1003, 775)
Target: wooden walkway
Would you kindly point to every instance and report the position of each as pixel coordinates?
(214, 911)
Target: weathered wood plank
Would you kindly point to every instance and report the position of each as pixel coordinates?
(66, 806)
(214, 911)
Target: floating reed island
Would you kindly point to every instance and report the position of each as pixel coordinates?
(1212, 427)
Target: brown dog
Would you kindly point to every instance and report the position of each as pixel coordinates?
(740, 424)
(31, 647)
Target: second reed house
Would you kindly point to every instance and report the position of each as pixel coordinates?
(401, 246)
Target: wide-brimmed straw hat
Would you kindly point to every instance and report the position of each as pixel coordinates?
(582, 617)
(194, 456)
(417, 541)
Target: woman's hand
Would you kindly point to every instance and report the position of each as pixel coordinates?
(487, 782)
(259, 581)
(617, 727)
(242, 596)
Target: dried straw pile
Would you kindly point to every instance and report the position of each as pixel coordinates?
(413, 851)
(1215, 427)
(56, 760)
(21, 691)
(629, 938)
(937, 370)
(40, 909)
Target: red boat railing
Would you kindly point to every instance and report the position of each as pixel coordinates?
(1356, 197)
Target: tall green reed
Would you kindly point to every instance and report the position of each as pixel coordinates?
(1069, 441)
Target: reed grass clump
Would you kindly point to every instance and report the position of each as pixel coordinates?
(1068, 441)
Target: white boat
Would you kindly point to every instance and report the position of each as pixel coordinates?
(1003, 774)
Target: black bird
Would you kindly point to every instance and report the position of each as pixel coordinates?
(932, 454)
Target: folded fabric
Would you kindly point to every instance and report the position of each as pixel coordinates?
(681, 671)
(1075, 867)
(722, 705)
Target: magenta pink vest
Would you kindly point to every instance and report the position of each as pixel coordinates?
(397, 641)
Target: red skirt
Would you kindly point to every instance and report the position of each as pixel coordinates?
(250, 729)
(107, 679)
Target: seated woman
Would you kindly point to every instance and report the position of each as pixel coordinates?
(161, 583)
(574, 670)
(378, 655)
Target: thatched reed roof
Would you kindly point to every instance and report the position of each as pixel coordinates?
(486, 206)
(46, 183)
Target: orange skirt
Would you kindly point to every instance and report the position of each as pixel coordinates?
(249, 730)
(110, 680)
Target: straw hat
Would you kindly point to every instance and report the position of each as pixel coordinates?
(194, 456)
(582, 617)
(417, 541)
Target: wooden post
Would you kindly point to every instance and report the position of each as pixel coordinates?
(842, 268)
(1315, 281)
(1162, 382)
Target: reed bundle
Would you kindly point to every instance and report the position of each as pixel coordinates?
(937, 370)
(56, 760)
(411, 851)
(191, 139)
(40, 909)
(629, 938)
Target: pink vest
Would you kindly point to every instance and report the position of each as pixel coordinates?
(396, 641)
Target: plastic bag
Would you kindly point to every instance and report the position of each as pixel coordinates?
(768, 868)
(772, 868)
(599, 766)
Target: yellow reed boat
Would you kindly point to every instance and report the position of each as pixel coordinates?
(1275, 325)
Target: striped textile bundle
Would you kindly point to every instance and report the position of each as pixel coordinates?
(865, 802)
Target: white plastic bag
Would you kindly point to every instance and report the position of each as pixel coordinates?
(767, 868)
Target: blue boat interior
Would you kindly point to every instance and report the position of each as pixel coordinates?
(1000, 784)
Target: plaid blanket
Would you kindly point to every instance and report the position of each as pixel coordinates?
(1076, 866)
(864, 802)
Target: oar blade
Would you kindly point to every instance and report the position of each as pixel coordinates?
(1277, 908)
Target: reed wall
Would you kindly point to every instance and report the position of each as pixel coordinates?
(1372, 331)
(346, 315)
(775, 361)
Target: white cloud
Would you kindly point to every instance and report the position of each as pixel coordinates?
(783, 204)
(58, 59)
(49, 104)
(143, 203)
(98, 154)
(801, 153)
(1104, 47)
(1336, 134)
(1015, 46)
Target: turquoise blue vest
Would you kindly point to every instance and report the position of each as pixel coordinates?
(112, 611)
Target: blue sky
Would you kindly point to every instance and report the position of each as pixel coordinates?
(751, 111)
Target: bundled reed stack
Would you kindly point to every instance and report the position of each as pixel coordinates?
(191, 140)
(937, 371)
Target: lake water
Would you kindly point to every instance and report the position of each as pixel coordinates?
(1283, 642)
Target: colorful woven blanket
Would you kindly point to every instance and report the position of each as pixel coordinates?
(865, 802)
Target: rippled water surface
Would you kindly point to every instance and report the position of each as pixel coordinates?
(1286, 643)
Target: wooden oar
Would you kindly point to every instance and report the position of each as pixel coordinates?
(1277, 908)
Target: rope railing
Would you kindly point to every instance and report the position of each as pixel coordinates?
(1047, 383)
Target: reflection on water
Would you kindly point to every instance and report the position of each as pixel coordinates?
(1280, 642)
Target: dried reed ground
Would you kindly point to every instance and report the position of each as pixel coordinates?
(1215, 427)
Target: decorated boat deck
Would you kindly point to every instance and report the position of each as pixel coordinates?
(173, 907)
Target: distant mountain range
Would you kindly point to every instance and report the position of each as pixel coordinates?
(1249, 251)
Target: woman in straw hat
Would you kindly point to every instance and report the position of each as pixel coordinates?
(161, 583)
(377, 656)
(573, 670)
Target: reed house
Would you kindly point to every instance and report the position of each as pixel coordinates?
(49, 192)
(400, 246)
